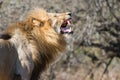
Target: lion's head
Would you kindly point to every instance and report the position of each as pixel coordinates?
(61, 22)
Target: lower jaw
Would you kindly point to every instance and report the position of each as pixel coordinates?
(66, 32)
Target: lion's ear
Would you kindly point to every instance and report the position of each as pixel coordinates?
(35, 22)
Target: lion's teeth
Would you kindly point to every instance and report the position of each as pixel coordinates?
(68, 22)
(70, 28)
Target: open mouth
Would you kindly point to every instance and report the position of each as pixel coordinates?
(66, 27)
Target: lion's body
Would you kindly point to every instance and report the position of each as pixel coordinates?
(29, 46)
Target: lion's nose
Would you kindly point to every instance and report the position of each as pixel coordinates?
(69, 13)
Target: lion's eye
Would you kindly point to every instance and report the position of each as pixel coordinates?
(42, 23)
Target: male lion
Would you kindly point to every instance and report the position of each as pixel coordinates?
(31, 45)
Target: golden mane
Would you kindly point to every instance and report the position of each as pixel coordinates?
(47, 41)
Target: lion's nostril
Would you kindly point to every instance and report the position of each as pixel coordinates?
(69, 13)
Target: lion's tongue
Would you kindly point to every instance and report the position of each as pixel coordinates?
(66, 30)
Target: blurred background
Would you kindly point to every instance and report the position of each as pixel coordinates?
(93, 51)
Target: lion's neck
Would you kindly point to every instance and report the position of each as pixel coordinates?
(49, 42)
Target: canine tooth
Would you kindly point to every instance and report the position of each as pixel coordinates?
(70, 28)
(68, 22)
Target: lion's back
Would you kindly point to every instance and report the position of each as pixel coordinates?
(8, 55)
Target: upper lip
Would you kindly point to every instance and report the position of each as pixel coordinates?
(66, 22)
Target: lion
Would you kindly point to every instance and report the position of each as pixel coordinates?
(31, 45)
